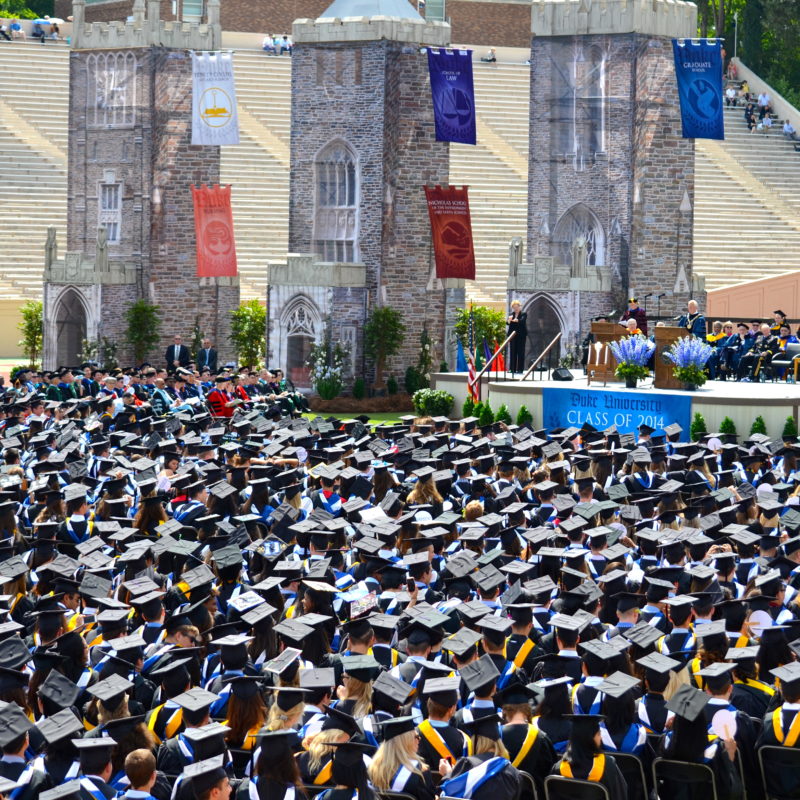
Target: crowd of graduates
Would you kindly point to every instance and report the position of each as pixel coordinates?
(270, 607)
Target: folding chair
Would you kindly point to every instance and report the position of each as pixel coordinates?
(529, 791)
(780, 772)
(557, 787)
(632, 770)
(671, 778)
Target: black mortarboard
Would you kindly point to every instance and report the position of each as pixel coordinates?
(688, 702)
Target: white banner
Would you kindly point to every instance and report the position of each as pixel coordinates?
(214, 117)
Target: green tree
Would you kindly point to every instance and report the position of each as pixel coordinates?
(789, 429)
(19, 8)
(487, 416)
(249, 332)
(758, 426)
(727, 427)
(503, 415)
(524, 417)
(468, 409)
(489, 324)
(384, 333)
(144, 322)
(32, 329)
(698, 426)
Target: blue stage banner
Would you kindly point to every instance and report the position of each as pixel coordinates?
(627, 410)
(453, 95)
(698, 68)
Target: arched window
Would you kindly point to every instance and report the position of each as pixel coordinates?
(544, 322)
(336, 206)
(111, 89)
(579, 240)
(579, 88)
(300, 323)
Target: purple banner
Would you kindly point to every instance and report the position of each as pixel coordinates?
(453, 95)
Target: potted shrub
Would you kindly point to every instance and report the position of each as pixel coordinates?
(632, 354)
(689, 356)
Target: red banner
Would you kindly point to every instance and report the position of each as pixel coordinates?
(213, 227)
(451, 229)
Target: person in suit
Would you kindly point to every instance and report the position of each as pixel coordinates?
(207, 357)
(517, 323)
(177, 355)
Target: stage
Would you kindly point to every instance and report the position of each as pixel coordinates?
(566, 403)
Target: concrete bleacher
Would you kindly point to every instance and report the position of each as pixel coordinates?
(746, 220)
(33, 137)
(745, 207)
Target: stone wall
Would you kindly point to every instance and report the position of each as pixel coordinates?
(373, 96)
(635, 183)
(663, 169)
(152, 149)
(505, 24)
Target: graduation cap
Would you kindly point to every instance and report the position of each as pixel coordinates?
(688, 702)
(361, 667)
(204, 775)
(392, 688)
(788, 674)
(479, 674)
(396, 727)
(13, 724)
(71, 790)
(617, 684)
(195, 699)
(488, 726)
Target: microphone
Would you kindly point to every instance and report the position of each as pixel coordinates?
(678, 317)
(612, 313)
(649, 294)
(663, 294)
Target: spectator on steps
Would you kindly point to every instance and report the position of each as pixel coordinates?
(765, 125)
(750, 117)
(268, 46)
(490, 57)
(731, 96)
(4, 31)
(17, 31)
(788, 131)
(286, 45)
(764, 104)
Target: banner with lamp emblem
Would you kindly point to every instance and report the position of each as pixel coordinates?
(214, 117)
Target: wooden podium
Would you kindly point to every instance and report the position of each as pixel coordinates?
(603, 332)
(665, 336)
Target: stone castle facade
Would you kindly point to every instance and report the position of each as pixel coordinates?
(611, 179)
(363, 146)
(130, 220)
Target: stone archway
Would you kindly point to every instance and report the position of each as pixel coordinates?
(300, 324)
(71, 327)
(544, 322)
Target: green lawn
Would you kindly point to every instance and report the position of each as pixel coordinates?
(375, 416)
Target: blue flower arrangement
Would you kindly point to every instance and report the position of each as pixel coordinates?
(689, 356)
(632, 354)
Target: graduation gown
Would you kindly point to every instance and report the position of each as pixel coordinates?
(540, 755)
(606, 772)
(505, 785)
(434, 741)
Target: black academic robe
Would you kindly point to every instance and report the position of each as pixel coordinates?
(752, 698)
(540, 758)
(454, 739)
(611, 778)
(100, 787)
(505, 785)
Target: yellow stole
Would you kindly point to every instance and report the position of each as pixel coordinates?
(595, 773)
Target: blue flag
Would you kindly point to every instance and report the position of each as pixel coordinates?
(461, 359)
(698, 69)
(453, 95)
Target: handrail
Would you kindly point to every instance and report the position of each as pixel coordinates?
(544, 352)
(494, 356)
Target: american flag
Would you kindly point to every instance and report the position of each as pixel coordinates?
(472, 388)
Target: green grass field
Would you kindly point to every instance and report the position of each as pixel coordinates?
(375, 417)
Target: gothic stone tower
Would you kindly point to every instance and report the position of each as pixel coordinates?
(130, 223)
(362, 148)
(611, 180)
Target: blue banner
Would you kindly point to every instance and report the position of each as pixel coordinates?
(453, 95)
(698, 68)
(627, 410)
